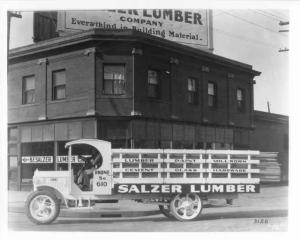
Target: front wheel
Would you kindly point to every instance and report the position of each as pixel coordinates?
(42, 207)
(186, 207)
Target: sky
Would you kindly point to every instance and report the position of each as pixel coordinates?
(247, 35)
(252, 37)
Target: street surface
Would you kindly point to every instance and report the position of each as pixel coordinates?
(266, 211)
(159, 223)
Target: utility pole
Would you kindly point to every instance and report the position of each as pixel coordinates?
(283, 23)
(10, 15)
(268, 103)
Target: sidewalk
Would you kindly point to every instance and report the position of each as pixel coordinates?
(272, 198)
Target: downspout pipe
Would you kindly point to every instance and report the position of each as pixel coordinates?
(135, 51)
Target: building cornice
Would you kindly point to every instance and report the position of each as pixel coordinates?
(124, 35)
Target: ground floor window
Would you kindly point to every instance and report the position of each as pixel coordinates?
(49, 156)
(43, 148)
(144, 143)
(36, 155)
(61, 158)
(199, 145)
(120, 143)
(222, 146)
(241, 139)
(13, 168)
(115, 131)
(12, 161)
(165, 144)
(12, 152)
(208, 145)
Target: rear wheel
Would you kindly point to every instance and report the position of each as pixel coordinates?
(186, 207)
(42, 207)
(165, 210)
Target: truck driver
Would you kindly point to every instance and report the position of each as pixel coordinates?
(86, 172)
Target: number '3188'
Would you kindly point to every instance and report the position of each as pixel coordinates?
(261, 220)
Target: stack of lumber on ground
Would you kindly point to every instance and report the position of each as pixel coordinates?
(269, 167)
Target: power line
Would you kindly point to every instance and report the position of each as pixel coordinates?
(252, 23)
(246, 39)
(272, 15)
(263, 14)
(239, 37)
(217, 14)
(279, 14)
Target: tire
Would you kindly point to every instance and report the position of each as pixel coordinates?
(165, 210)
(186, 207)
(42, 207)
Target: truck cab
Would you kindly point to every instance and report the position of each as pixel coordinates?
(65, 181)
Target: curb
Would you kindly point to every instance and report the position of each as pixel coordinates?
(96, 213)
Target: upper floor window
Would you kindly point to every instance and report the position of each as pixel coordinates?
(192, 91)
(28, 90)
(59, 85)
(114, 79)
(13, 134)
(240, 97)
(153, 84)
(212, 95)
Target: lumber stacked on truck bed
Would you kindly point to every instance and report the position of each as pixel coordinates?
(269, 167)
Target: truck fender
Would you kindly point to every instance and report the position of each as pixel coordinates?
(53, 190)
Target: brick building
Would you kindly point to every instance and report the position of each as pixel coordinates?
(127, 87)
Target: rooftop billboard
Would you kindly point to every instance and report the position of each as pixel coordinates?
(190, 27)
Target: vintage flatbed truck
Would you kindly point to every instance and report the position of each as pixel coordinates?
(176, 180)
